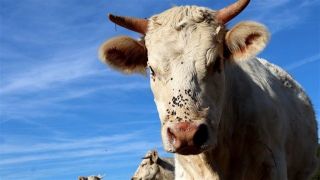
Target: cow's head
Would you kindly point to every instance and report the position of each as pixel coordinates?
(148, 168)
(186, 50)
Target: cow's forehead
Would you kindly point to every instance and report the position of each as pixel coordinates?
(173, 51)
(177, 14)
(178, 24)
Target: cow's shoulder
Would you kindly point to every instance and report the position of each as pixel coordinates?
(286, 80)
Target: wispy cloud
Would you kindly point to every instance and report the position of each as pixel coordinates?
(69, 145)
(269, 4)
(70, 148)
(59, 70)
(282, 14)
(101, 165)
(80, 153)
(74, 154)
(54, 81)
(47, 68)
(303, 62)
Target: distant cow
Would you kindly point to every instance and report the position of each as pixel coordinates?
(224, 113)
(153, 167)
(90, 177)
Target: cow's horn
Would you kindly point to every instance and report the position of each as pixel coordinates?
(134, 24)
(226, 14)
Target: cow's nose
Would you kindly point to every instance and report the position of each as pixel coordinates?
(187, 138)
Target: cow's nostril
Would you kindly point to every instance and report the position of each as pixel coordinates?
(171, 136)
(201, 135)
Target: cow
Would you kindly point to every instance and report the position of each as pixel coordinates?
(153, 167)
(225, 114)
(99, 177)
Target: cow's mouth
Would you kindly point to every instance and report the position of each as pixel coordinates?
(189, 150)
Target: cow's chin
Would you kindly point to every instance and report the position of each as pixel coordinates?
(190, 150)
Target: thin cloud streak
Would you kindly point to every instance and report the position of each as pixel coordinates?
(45, 106)
(51, 84)
(101, 165)
(72, 144)
(269, 4)
(303, 62)
(76, 148)
(119, 149)
(55, 71)
(285, 18)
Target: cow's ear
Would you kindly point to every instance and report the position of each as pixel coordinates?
(124, 54)
(154, 156)
(246, 39)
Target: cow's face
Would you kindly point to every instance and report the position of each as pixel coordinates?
(185, 52)
(185, 49)
(148, 168)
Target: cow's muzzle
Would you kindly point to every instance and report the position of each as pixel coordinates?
(188, 138)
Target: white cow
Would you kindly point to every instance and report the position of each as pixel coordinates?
(224, 113)
(153, 167)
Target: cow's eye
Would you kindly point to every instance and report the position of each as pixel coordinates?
(151, 71)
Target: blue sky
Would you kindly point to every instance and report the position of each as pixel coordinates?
(64, 114)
